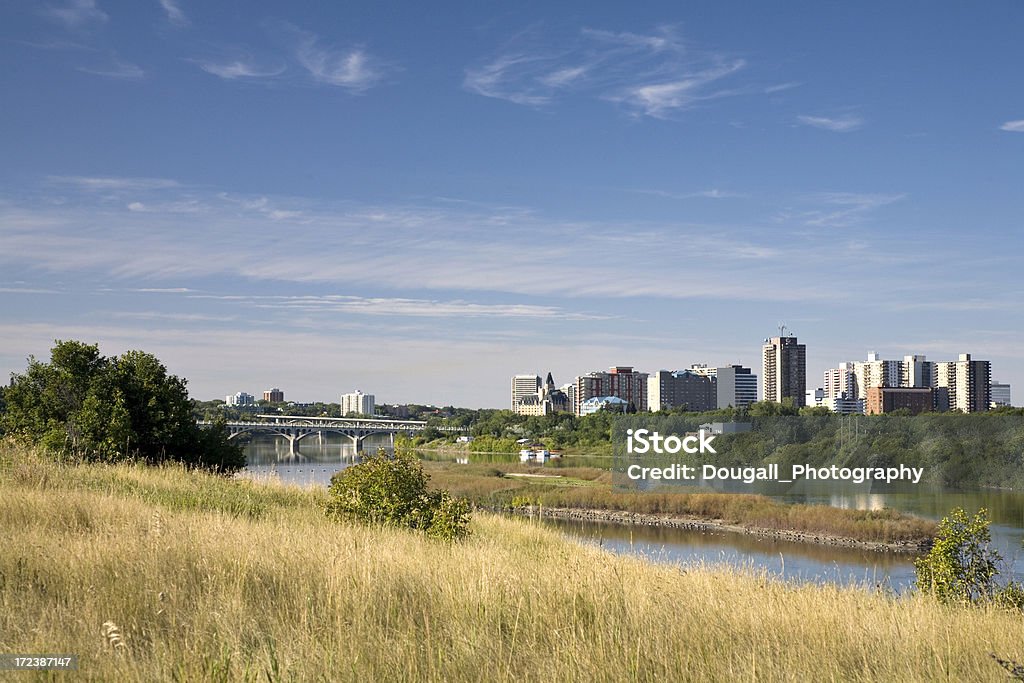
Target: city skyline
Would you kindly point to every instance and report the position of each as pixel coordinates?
(267, 195)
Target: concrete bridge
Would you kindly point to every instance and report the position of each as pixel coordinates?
(294, 428)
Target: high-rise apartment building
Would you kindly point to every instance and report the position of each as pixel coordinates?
(875, 372)
(840, 382)
(523, 386)
(620, 381)
(570, 394)
(240, 399)
(681, 389)
(784, 370)
(968, 383)
(274, 395)
(357, 403)
(917, 371)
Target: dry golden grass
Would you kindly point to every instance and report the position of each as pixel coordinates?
(144, 589)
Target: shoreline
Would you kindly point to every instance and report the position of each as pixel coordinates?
(627, 518)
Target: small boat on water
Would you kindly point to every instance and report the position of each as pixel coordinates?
(537, 453)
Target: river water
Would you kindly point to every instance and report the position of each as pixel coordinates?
(317, 461)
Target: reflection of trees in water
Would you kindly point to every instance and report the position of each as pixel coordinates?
(1005, 507)
(710, 543)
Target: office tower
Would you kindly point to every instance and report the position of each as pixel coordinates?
(736, 386)
(358, 403)
(784, 370)
(1000, 394)
(274, 395)
(522, 386)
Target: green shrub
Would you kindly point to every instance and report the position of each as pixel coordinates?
(961, 567)
(392, 491)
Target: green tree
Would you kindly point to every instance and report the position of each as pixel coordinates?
(97, 408)
(392, 491)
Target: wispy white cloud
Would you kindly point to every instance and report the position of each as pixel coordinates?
(417, 248)
(28, 290)
(781, 87)
(403, 307)
(492, 80)
(840, 124)
(261, 205)
(711, 193)
(563, 77)
(167, 207)
(351, 68)
(175, 15)
(115, 69)
(107, 183)
(174, 317)
(659, 100)
(164, 290)
(651, 75)
(77, 14)
(839, 209)
(238, 68)
(1013, 126)
(663, 39)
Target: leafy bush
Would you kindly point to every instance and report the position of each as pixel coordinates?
(961, 567)
(392, 491)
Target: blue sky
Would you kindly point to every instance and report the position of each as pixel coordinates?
(422, 199)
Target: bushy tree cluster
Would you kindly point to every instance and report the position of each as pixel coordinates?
(392, 491)
(961, 567)
(99, 408)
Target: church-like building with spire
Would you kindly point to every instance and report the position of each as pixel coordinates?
(546, 400)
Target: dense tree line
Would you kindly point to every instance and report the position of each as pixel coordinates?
(93, 407)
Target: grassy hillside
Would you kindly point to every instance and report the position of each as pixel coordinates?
(200, 578)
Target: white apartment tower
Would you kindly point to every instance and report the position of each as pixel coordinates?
(875, 372)
(967, 382)
(357, 402)
(840, 382)
(917, 371)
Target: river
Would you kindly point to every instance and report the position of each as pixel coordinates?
(317, 461)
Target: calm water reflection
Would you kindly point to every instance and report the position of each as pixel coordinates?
(785, 559)
(318, 460)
